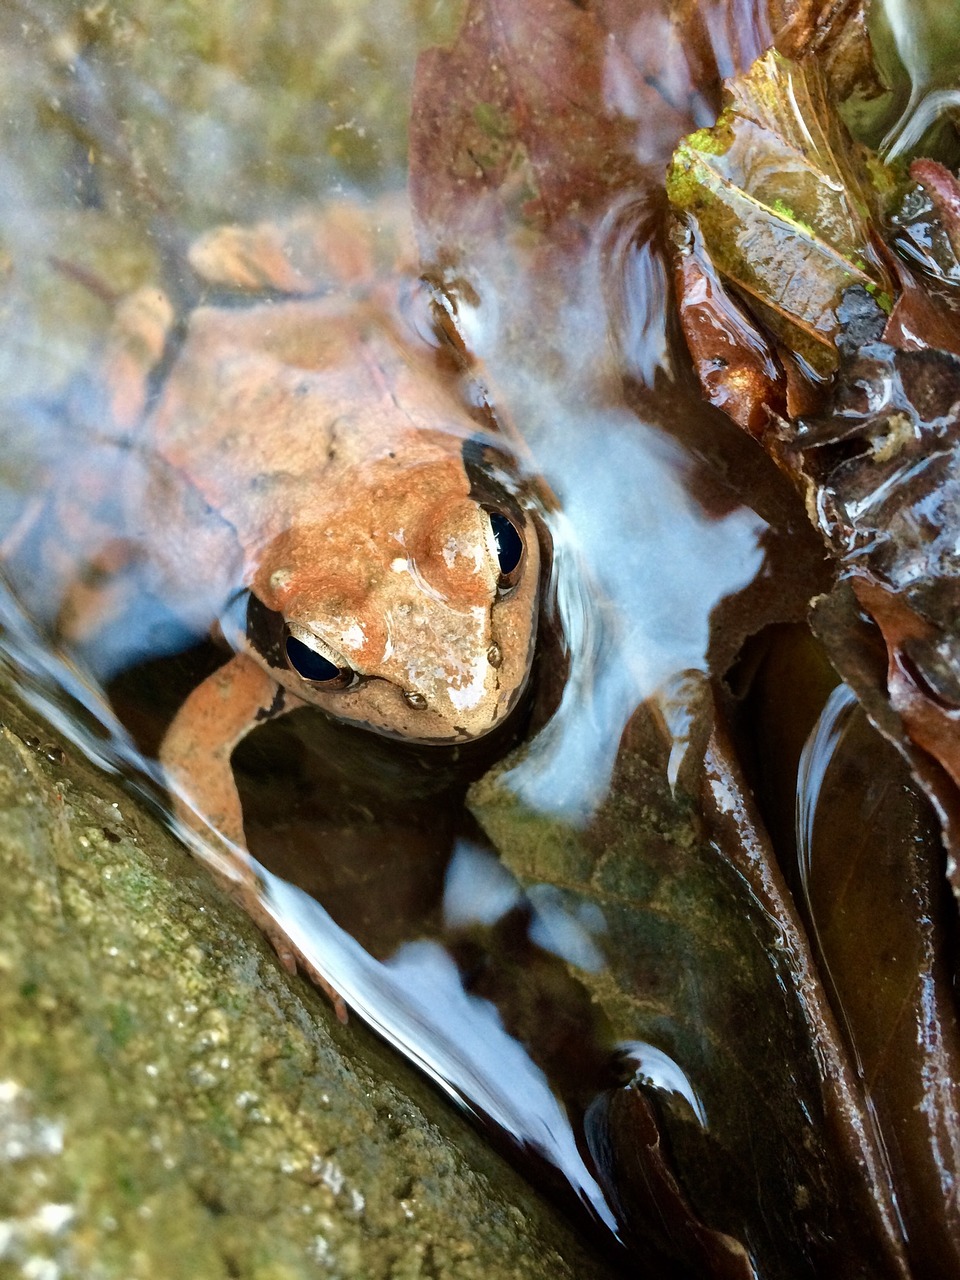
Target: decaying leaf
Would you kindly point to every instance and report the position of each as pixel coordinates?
(919, 235)
(737, 368)
(857, 650)
(837, 33)
(882, 473)
(944, 191)
(721, 981)
(517, 150)
(869, 852)
(778, 199)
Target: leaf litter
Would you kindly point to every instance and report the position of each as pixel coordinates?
(535, 195)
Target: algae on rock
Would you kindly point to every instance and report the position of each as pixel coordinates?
(172, 1104)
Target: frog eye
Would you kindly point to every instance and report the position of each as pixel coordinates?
(509, 546)
(313, 666)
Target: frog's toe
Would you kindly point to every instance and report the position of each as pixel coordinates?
(293, 960)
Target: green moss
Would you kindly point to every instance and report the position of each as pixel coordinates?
(880, 296)
(185, 1092)
(789, 215)
(713, 141)
(687, 181)
(122, 1024)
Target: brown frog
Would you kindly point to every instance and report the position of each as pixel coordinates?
(314, 486)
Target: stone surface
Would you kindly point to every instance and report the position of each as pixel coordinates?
(172, 1104)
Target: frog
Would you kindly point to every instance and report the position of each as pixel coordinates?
(321, 483)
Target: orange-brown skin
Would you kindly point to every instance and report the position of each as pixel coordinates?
(307, 451)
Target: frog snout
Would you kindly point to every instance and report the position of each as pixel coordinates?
(453, 696)
(459, 703)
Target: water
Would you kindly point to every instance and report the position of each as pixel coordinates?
(424, 906)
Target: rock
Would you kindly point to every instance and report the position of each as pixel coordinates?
(172, 1104)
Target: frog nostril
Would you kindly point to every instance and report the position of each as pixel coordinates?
(495, 656)
(415, 700)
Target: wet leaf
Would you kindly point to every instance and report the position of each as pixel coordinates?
(625, 1139)
(777, 198)
(944, 191)
(918, 234)
(878, 912)
(925, 316)
(706, 964)
(733, 359)
(857, 650)
(859, 846)
(882, 470)
(528, 143)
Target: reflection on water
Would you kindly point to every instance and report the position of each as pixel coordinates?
(634, 594)
(657, 1070)
(640, 557)
(817, 756)
(639, 565)
(416, 1001)
(924, 36)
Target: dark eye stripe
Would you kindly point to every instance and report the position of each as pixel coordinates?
(264, 628)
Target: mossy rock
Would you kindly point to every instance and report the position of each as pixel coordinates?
(172, 1104)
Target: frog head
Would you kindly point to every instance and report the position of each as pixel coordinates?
(412, 610)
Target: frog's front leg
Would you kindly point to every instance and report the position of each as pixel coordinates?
(196, 756)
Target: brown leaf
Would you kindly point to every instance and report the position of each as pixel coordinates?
(857, 650)
(859, 847)
(944, 190)
(917, 232)
(735, 823)
(707, 963)
(878, 912)
(629, 1149)
(924, 316)
(775, 192)
(732, 358)
(527, 144)
(921, 680)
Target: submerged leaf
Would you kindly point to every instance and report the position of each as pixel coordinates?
(837, 34)
(858, 843)
(944, 190)
(856, 648)
(776, 196)
(882, 471)
(527, 144)
(755, 1128)
(877, 906)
